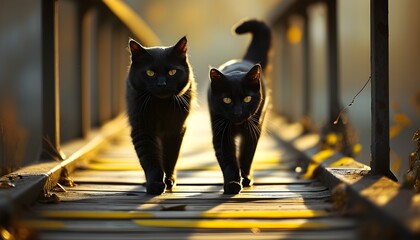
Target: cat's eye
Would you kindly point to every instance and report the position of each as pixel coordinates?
(172, 72)
(227, 100)
(150, 73)
(247, 99)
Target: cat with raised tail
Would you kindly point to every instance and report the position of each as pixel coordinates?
(237, 102)
(159, 91)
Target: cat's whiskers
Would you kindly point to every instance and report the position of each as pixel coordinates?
(219, 125)
(182, 102)
(254, 130)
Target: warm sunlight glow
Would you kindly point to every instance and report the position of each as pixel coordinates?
(294, 34)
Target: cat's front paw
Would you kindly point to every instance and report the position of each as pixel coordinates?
(170, 182)
(155, 188)
(247, 181)
(232, 187)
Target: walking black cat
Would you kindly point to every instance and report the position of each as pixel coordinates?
(160, 89)
(237, 102)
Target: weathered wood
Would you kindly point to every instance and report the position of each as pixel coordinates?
(187, 225)
(184, 177)
(115, 197)
(144, 205)
(198, 188)
(257, 235)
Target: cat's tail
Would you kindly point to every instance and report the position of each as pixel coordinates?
(261, 40)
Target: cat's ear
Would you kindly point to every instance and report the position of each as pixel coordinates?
(180, 48)
(253, 76)
(136, 48)
(216, 78)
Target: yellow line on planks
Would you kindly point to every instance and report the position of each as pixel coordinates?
(344, 161)
(233, 224)
(43, 224)
(185, 214)
(265, 214)
(96, 214)
(114, 167)
(136, 167)
(316, 160)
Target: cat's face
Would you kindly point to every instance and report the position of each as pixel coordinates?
(163, 71)
(236, 95)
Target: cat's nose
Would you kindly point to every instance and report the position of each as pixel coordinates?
(237, 111)
(161, 82)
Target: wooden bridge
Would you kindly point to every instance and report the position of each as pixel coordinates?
(109, 199)
(307, 185)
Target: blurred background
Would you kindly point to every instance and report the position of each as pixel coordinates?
(208, 27)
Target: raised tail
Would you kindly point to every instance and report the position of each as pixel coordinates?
(261, 40)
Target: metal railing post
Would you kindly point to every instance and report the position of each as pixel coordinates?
(379, 40)
(50, 82)
(306, 66)
(333, 87)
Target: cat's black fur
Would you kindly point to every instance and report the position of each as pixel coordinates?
(237, 123)
(158, 104)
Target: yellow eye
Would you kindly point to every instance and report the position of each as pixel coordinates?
(247, 99)
(150, 73)
(172, 72)
(227, 100)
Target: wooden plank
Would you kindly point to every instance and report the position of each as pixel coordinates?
(301, 224)
(198, 188)
(185, 177)
(209, 214)
(114, 202)
(256, 234)
(187, 225)
(286, 205)
(206, 158)
(186, 197)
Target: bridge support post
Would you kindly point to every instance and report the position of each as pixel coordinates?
(379, 40)
(50, 83)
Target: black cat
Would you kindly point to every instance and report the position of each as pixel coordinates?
(237, 101)
(160, 89)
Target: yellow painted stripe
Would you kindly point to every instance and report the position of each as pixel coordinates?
(317, 159)
(185, 214)
(96, 214)
(265, 214)
(310, 170)
(114, 167)
(115, 160)
(322, 155)
(232, 224)
(344, 161)
(43, 224)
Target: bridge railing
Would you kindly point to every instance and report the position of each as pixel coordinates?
(83, 63)
(294, 92)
